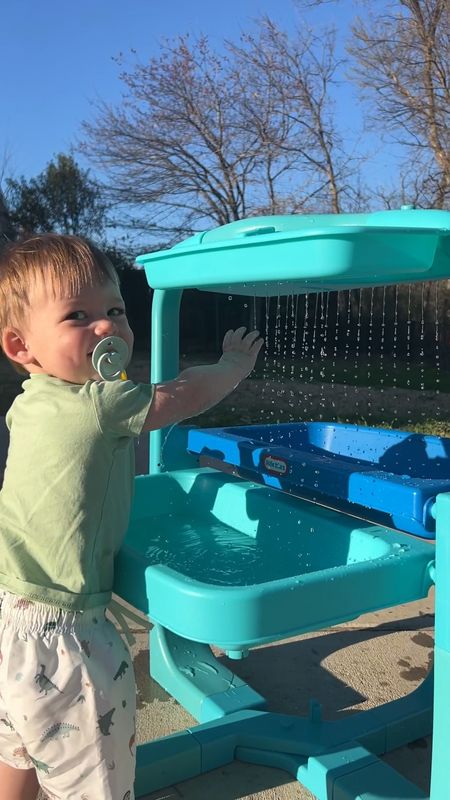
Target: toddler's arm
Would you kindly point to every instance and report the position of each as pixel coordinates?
(198, 388)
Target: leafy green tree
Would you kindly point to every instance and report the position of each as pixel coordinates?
(62, 198)
(6, 228)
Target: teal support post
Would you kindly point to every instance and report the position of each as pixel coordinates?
(165, 356)
(203, 685)
(441, 727)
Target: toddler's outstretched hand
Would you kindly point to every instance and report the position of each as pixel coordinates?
(198, 388)
(241, 350)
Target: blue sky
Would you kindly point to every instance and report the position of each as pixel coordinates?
(56, 58)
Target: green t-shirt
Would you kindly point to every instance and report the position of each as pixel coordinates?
(68, 487)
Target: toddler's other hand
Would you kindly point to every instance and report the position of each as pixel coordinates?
(241, 350)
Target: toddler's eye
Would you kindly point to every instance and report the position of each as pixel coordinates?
(77, 315)
(116, 312)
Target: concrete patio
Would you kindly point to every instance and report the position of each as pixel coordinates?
(351, 667)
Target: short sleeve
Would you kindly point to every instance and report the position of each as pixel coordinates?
(121, 407)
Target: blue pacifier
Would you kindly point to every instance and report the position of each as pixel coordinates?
(110, 357)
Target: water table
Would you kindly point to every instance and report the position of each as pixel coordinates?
(220, 549)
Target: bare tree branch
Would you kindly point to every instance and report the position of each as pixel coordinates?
(402, 59)
(202, 139)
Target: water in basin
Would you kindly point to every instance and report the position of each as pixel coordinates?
(208, 550)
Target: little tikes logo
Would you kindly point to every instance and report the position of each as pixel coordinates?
(275, 465)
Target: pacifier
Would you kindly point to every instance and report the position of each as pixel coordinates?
(110, 357)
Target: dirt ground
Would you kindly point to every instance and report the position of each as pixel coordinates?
(258, 400)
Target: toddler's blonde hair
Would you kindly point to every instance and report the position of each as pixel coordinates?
(66, 264)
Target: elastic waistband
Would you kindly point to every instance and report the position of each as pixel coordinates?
(27, 615)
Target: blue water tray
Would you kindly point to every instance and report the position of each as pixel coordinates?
(389, 477)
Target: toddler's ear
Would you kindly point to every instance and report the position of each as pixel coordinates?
(14, 346)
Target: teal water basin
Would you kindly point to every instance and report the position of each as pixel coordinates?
(225, 561)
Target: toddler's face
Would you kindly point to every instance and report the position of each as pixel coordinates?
(61, 332)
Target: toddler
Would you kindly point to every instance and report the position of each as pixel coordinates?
(67, 692)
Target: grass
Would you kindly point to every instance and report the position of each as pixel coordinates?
(361, 372)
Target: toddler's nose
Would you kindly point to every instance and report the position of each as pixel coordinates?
(105, 327)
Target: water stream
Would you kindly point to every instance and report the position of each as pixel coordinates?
(372, 355)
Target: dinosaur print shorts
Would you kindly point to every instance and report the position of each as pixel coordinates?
(67, 700)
